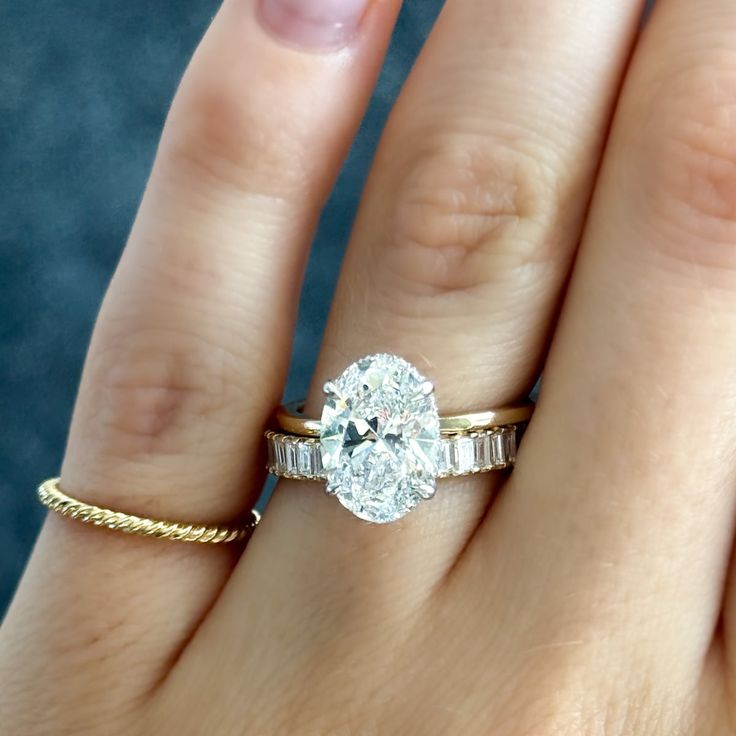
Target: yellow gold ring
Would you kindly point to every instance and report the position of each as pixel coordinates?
(56, 500)
(290, 419)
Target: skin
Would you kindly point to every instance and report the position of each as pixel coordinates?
(554, 189)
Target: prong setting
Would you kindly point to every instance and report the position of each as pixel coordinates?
(382, 446)
(427, 491)
(379, 438)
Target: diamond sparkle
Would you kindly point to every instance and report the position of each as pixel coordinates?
(380, 438)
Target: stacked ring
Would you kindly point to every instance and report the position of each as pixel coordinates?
(380, 444)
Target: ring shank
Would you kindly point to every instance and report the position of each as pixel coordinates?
(290, 419)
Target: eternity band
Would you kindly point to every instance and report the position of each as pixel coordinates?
(56, 500)
(300, 458)
(381, 445)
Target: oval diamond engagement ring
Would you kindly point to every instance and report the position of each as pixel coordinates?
(381, 445)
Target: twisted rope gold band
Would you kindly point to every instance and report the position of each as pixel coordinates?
(53, 498)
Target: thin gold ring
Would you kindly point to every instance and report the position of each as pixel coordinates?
(289, 418)
(56, 500)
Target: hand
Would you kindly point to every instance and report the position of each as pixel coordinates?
(588, 592)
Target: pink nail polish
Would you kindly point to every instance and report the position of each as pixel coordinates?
(313, 24)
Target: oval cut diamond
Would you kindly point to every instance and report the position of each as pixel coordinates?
(380, 438)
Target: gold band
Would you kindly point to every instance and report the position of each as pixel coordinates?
(53, 498)
(290, 419)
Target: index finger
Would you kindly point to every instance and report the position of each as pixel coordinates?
(192, 342)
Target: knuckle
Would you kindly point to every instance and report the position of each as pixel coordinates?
(566, 697)
(688, 143)
(151, 389)
(467, 209)
(216, 137)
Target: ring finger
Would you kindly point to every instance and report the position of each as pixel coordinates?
(467, 229)
(459, 254)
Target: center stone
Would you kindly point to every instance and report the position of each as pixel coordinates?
(380, 438)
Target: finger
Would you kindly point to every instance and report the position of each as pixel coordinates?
(466, 233)
(192, 342)
(458, 256)
(624, 490)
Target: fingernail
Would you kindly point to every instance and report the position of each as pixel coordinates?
(313, 24)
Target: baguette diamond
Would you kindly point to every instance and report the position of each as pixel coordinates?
(493, 450)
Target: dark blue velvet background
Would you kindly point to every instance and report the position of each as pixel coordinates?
(84, 88)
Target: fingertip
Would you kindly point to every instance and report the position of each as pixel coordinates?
(315, 25)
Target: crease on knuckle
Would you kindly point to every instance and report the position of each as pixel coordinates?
(217, 142)
(151, 388)
(582, 709)
(688, 139)
(469, 211)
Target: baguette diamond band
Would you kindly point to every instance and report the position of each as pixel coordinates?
(300, 458)
(381, 445)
